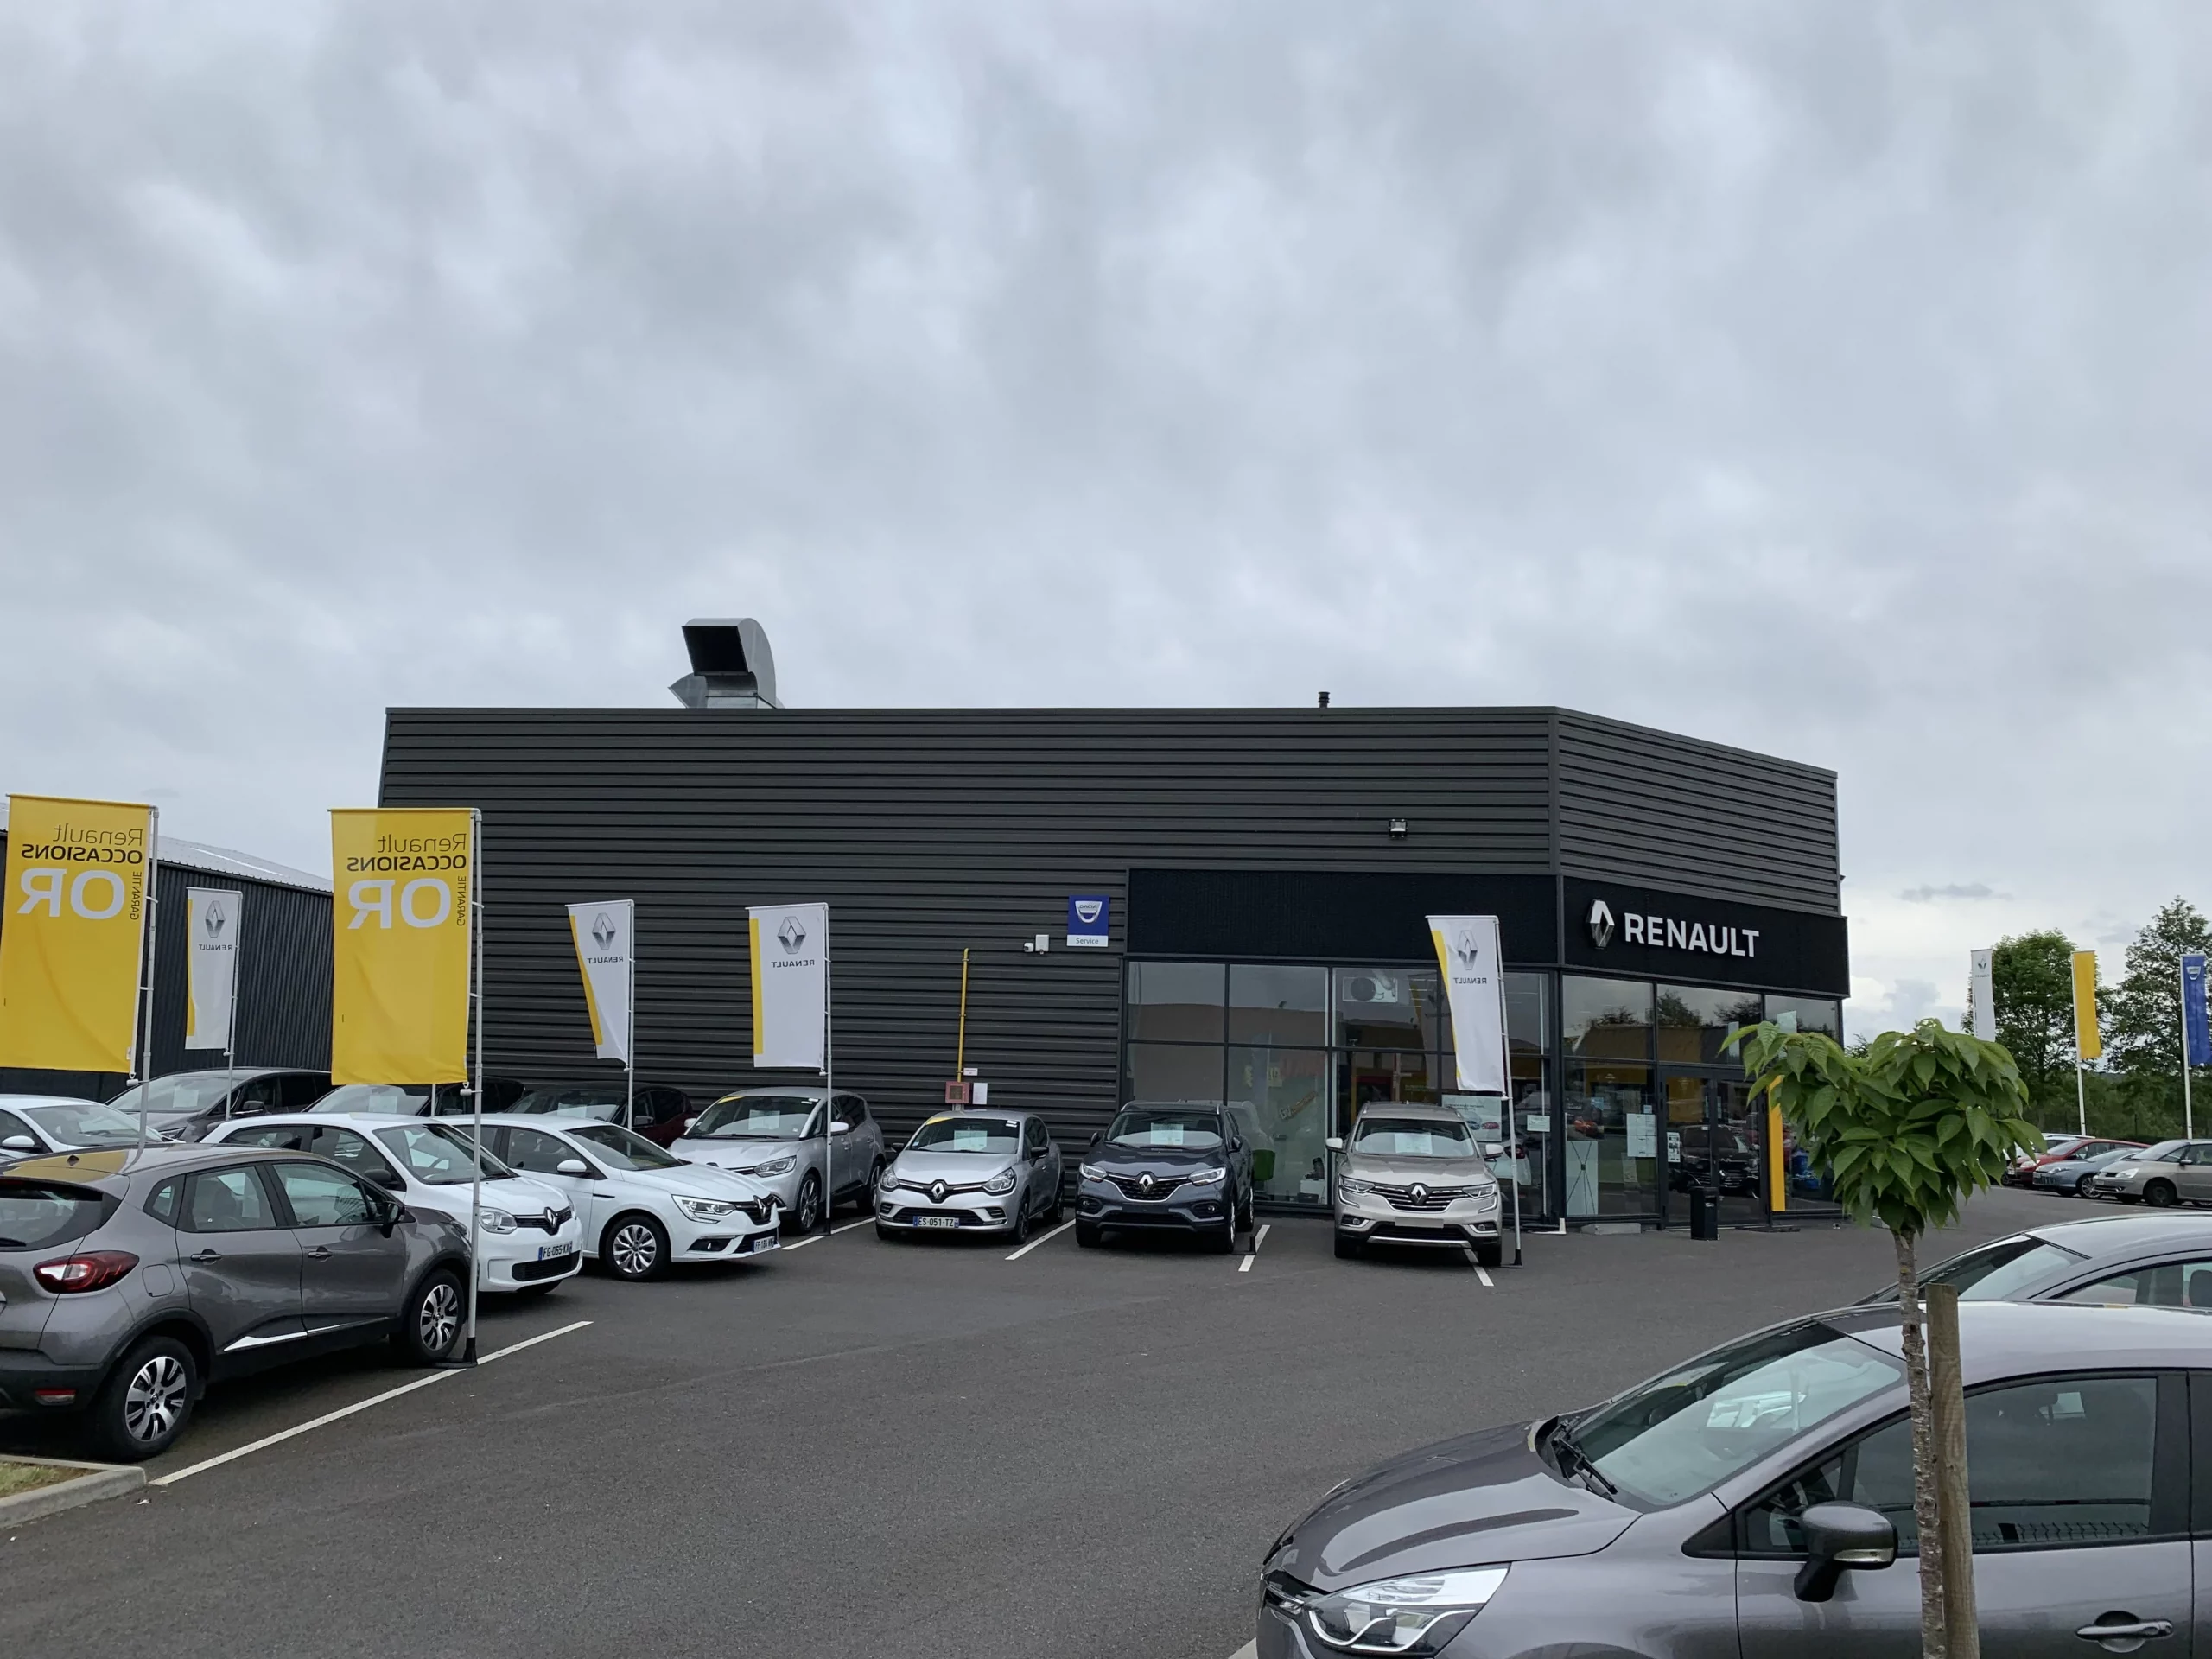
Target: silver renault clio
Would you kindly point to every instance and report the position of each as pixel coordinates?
(971, 1171)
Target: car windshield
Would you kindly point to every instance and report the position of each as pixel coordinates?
(961, 1133)
(393, 1099)
(1994, 1272)
(36, 1216)
(438, 1156)
(1411, 1137)
(2166, 1152)
(760, 1118)
(1177, 1128)
(625, 1150)
(603, 1105)
(85, 1123)
(1686, 1432)
(174, 1097)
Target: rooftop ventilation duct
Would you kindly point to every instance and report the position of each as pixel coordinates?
(731, 665)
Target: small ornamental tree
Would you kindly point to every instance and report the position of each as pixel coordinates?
(1905, 1131)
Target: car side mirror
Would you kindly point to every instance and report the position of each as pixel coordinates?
(1839, 1537)
(391, 1179)
(689, 1123)
(1097, 1135)
(1334, 1143)
(572, 1166)
(841, 1128)
(18, 1143)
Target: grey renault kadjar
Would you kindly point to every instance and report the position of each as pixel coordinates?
(130, 1280)
(1756, 1502)
(1184, 1169)
(1414, 1175)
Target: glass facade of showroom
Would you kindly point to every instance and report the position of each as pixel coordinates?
(1622, 1100)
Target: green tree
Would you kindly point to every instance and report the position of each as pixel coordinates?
(2031, 976)
(2144, 1038)
(1904, 1133)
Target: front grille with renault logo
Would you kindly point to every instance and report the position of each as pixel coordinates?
(551, 1222)
(936, 1190)
(1146, 1186)
(1418, 1197)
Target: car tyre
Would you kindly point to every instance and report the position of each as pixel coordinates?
(889, 1234)
(808, 1210)
(1244, 1213)
(635, 1247)
(1223, 1239)
(2160, 1193)
(430, 1320)
(146, 1401)
(1088, 1235)
(1058, 1203)
(1350, 1248)
(1019, 1229)
(1492, 1255)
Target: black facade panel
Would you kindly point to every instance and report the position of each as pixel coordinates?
(1703, 940)
(926, 830)
(1672, 812)
(1344, 916)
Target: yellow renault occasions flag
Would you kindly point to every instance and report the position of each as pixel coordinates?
(74, 927)
(401, 882)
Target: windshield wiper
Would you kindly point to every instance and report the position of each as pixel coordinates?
(1572, 1457)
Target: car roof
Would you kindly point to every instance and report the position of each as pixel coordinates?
(47, 1100)
(347, 1120)
(1412, 1109)
(2001, 1340)
(800, 1090)
(2101, 1235)
(111, 1170)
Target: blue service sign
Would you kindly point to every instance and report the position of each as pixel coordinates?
(1087, 919)
(2197, 1030)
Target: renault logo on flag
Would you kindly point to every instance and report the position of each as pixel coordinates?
(790, 935)
(214, 920)
(602, 931)
(1601, 922)
(1467, 947)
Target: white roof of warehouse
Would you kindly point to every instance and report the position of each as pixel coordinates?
(223, 861)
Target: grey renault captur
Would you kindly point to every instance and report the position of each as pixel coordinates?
(1754, 1502)
(130, 1280)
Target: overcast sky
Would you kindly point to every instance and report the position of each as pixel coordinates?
(1828, 379)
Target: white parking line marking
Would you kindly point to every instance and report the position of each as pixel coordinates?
(359, 1405)
(1245, 1266)
(812, 1238)
(1039, 1239)
(1249, 1650)
(1481, 1273)
(849, 1225)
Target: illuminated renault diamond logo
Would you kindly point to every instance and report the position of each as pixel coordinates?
(1144, 1181)
(938, 1189)
(602, 931)
(1601, 922)
(790, 935)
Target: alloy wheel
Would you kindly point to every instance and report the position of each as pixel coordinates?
(437, 1321)
(635, 1250)
(154, 1402)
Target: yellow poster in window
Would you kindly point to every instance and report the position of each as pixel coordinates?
(401, 880)
(73, 932)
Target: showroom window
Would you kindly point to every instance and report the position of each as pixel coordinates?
(1692, 1023)
(1821, 1014)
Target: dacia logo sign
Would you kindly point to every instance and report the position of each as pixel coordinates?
(790, 935)
(1601, 922)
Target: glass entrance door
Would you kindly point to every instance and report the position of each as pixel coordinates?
(1716, 1142)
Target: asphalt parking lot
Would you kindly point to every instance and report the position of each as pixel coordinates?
(856, 1447)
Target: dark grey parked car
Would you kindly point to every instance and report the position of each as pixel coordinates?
(2158, 1260)
(1756, 1502)
(130, 1280)
(1184, 1169)
(183, 1104)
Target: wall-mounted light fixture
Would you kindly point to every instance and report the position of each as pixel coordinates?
(1398, 829)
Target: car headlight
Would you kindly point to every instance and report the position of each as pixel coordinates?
(890, 1181)
(1206, 1177)
(1416, 1614)
(706, 1209)
(495, 1220)
(1001, 1182)
(1090, 1172)
(783, 1165)
(1351, 1188)
(1486, 1198)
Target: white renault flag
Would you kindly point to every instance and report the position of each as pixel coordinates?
(1982, 982)
(1474, 985)
(212, 917)
(791, 960)
(602, 935)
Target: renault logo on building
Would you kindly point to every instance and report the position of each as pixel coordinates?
(602, 931)
(1601, 922)
(790, 935)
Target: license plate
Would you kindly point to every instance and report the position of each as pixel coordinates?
(760, 1242)
(555, 1252)
(937, 1221)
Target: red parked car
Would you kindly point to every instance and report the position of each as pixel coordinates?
(2073, 1149)
(660, 1112)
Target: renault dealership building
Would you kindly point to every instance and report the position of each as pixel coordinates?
(1170, 904)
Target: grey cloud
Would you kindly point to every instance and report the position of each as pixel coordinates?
(1923, 895)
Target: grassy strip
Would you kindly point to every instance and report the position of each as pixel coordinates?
(29, 1476)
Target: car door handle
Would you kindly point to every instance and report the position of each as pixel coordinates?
(2139, 1631)
(321, 1253)
(208, 1256)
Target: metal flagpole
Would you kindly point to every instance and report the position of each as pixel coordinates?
(142, 1062)
(231, 1036)
(630, 1036)
(2188, 1110)
(2080, 1089)
(1505, 1061)
(828, 1080)
(476, 1019)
